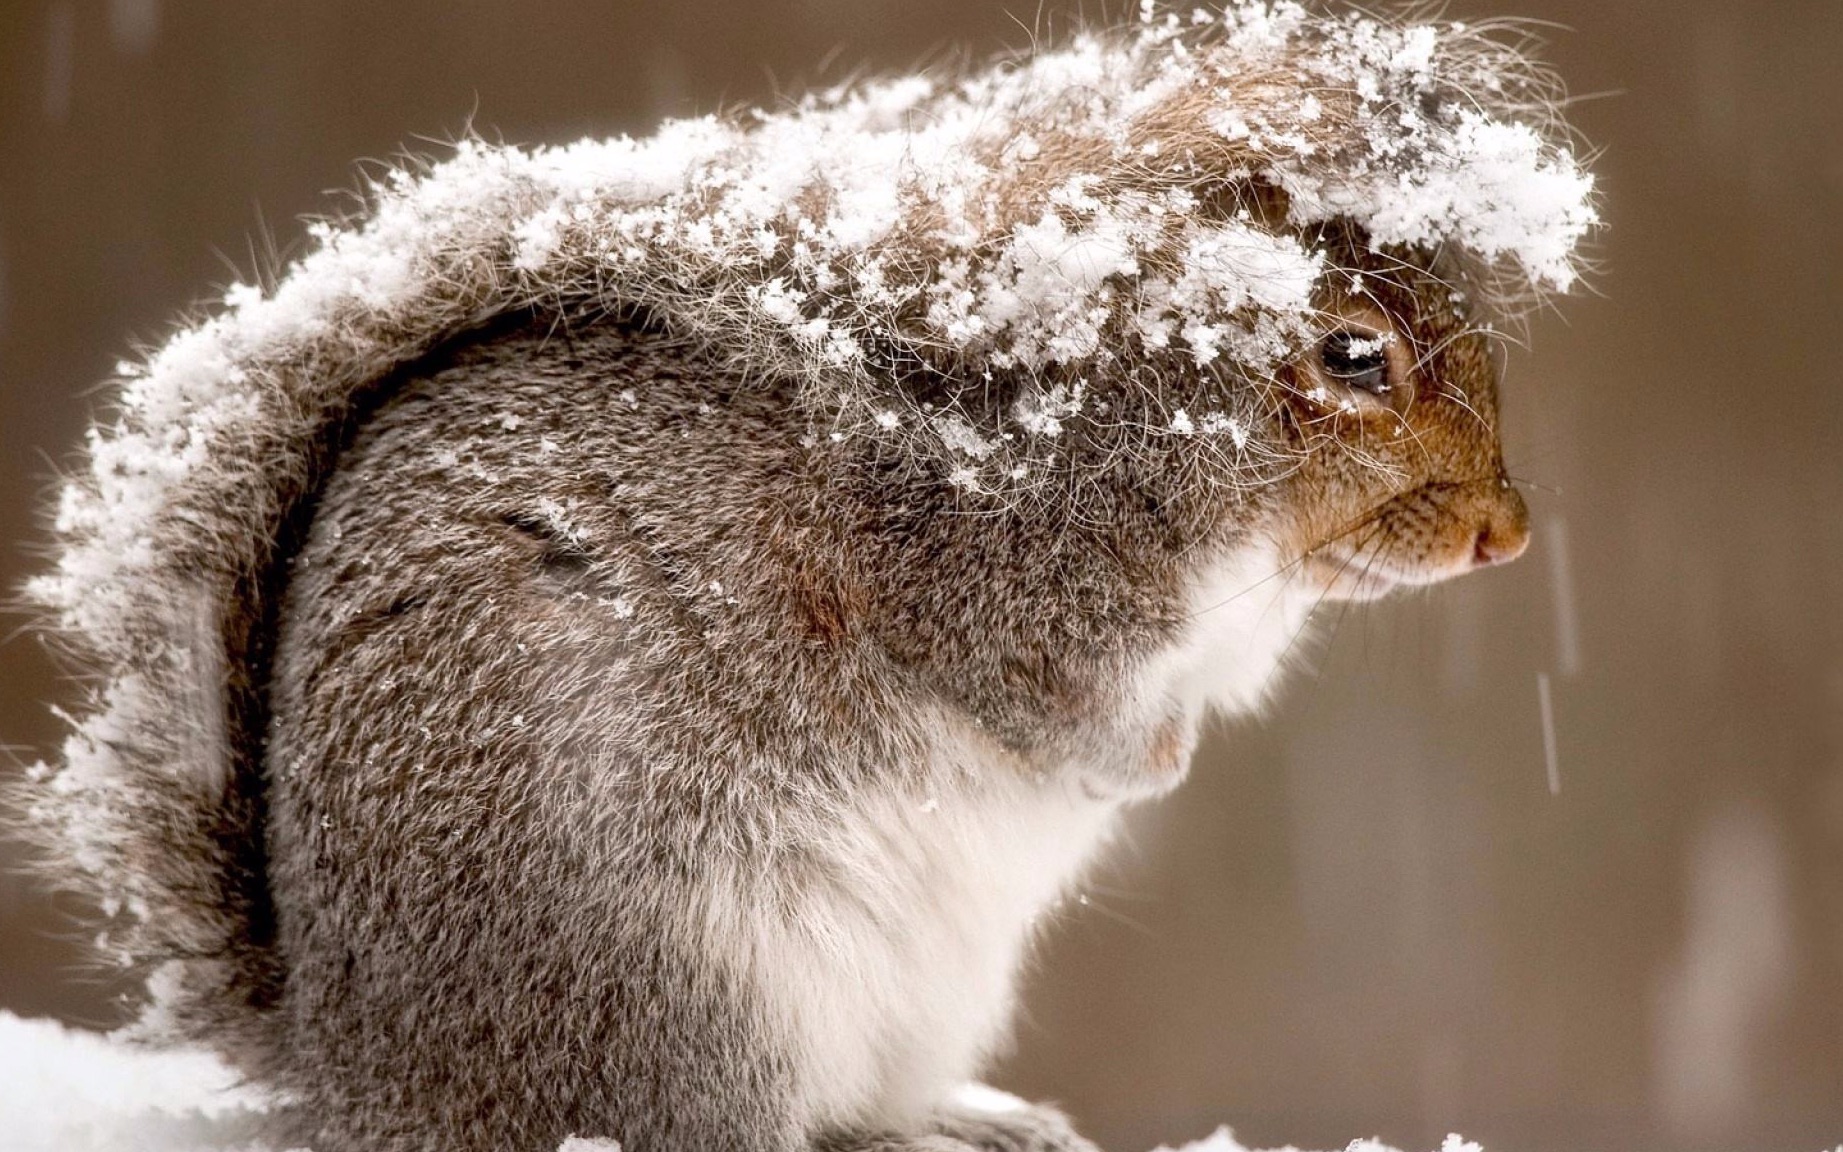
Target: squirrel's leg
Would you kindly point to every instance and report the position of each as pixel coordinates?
(1016, 1128)
(888, 1142)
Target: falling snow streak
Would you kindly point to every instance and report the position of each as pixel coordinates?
(134, 26)
(3, 290)
(1546, 699)
(60, 60)
(1561, 585)
(1715, 999)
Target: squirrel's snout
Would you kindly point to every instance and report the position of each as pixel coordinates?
(1504, 535)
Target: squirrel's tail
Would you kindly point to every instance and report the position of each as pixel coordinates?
(172, 548)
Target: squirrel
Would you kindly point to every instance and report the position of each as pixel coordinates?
(628, 640)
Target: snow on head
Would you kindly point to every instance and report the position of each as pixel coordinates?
(1065, 209)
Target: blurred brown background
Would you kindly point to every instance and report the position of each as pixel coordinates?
(1366, 915)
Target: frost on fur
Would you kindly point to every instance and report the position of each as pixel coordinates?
(1115, 234)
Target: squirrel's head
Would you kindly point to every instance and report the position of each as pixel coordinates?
(1393, 414)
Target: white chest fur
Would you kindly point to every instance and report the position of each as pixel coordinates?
(891, 958)
(1247, 614)
(889, 949)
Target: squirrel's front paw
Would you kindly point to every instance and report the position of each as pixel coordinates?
(1153, 762)
(992, 1121)
(932, 1142)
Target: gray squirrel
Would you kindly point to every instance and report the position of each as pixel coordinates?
(628, 640)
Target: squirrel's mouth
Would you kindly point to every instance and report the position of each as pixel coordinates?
(1350, 576)
(1371, 573)
(1427, 535)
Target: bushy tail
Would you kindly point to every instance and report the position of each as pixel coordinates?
(171, 549)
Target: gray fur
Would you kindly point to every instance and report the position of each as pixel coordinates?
(555, 663)
(622, 726)
(581, 655)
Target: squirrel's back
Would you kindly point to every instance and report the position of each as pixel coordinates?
(577, 672)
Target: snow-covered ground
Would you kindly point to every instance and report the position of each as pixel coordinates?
(63, 1090)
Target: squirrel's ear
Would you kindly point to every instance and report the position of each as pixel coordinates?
(1253, 199)
(1270, 206)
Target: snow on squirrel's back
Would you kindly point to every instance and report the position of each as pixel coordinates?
(1062, 218)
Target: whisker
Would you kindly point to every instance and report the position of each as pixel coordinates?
(1325, 592)
(1527, 483)
(1337, 624)
(1458, 398)
(1353, 526)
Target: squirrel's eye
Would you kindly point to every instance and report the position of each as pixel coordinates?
(1360, 361)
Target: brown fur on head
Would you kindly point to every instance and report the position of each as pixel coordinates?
(1370, 458)
(1394, 411)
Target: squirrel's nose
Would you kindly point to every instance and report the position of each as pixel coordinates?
(1505, 533)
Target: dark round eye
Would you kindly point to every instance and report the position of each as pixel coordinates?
(1360, 361)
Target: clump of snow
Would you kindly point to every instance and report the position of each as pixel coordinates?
(1223, 1140)
(985, 1098)
(62, 1090)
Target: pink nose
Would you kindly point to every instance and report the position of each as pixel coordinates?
(1498, 548)
(1505, 533)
